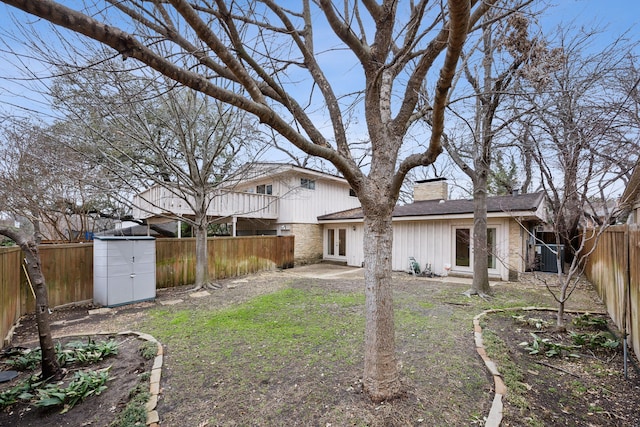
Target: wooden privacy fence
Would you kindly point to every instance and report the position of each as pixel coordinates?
(228, 257)
(614, 269)
(68, 268)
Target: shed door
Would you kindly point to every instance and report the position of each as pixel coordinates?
(121, 256)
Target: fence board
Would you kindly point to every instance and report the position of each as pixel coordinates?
(68, 272)
(10, 295)
(613, 268)
(68, 268)
(634, 285)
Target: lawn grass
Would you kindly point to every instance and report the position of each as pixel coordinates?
(294, 357)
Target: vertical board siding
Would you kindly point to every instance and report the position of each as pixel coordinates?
(613, 268)
(68, 269)
(301, 205)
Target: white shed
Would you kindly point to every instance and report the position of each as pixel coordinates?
(124, 269)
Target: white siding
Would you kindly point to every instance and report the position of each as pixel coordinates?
(301, 205)
(429, 242)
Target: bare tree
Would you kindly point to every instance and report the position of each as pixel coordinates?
(50, 367)
(281, 72)
(44, 182)
(142, 135)
(489, 72)
(575, 131)
(581, 144)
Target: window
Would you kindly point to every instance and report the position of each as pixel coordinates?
(307, 183)
(491, 247)
(463, 251)
(264, 189)
(464, 243)
(352, 192)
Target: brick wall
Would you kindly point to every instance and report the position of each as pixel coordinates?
(308, 243)
(515, 261)
(432, 190)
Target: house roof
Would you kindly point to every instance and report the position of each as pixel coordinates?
(260, 170)
(632, 191)
(507, 204)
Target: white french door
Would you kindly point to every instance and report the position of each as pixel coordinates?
(336, 243)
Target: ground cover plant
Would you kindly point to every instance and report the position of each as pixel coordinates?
(562, 377)
(96, 369)
(40, 392)
(279, 349)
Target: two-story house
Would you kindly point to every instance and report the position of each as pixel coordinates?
(263, 199)
(324, 215)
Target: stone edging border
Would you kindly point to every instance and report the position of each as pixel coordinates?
(153, 419)
(495, 413)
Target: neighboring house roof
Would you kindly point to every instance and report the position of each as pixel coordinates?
(522, 203)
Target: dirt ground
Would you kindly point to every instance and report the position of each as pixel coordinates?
(124, 372)
(590, 392)
(583, 387)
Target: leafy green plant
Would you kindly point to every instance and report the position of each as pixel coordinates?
(25, 360)
(547, 347)
(20, 392)
(587, 320)
(148, 350)
(531, 321)
(77, 352)
(35, 391)
(598, 340)
(86, 353)
(83, 385)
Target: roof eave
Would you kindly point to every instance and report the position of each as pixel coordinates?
(526, 215)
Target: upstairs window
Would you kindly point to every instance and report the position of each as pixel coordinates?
(352, 192)
(264, 189)
(307, 183)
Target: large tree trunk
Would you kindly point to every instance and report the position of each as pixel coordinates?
(50, 367)
(381, 376)
(480, 284)
(202, 255)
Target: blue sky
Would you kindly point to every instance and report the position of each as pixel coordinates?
(616, 16)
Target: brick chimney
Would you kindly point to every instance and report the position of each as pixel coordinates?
(430, 189)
